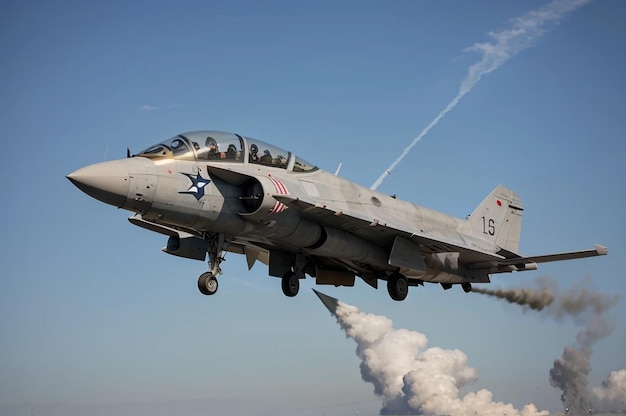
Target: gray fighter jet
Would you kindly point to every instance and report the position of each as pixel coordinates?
(214, 192)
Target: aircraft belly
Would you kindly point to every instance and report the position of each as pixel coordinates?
(446, 268)
(442, 278)
(406, 254)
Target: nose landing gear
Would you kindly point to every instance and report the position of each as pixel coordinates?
(207, 282)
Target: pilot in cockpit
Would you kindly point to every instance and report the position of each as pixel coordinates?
(213, 152)
(254, 154)
(267, 157)
(231, 153)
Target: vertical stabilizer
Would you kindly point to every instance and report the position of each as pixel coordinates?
(499, 218)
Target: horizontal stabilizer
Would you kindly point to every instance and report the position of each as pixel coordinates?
(598, 250)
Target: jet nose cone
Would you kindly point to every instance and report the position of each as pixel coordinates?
(107, 181)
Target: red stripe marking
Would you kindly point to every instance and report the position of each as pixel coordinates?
(281, 189)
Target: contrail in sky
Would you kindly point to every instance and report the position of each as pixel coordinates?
(504, 45)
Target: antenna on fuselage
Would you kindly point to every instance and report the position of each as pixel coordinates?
(338, 169)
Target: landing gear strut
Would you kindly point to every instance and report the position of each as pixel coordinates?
(290, 281)
(207, 282)
(397, 286)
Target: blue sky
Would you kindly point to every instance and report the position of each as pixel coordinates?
(92, 314)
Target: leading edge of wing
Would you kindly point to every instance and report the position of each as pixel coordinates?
(328, 215)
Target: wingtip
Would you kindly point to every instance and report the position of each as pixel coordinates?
(601, 250)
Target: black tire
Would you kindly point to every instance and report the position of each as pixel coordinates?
(397, 286)
(467, 287)
(207, 284)
(290, 284)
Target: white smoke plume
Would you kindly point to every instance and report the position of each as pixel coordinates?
(523, 32)
(611, 396)
(408, 376)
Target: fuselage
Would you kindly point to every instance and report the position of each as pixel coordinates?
(213, 192)
(215, 182)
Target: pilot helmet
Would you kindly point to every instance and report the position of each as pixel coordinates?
(254, 148)
(210, 142)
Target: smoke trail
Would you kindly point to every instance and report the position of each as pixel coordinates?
(579, 302)
(504, 45)
(532, 298)
(582, 300)
(587, 307)
(410, 378)
(570, 371)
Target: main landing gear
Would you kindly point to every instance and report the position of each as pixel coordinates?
(207, 282)
(290, 282)
(397, 286)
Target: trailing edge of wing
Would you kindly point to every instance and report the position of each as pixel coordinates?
(331, 216)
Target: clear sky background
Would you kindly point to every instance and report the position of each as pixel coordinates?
(95, 319)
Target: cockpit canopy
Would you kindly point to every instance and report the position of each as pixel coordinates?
(217, 146)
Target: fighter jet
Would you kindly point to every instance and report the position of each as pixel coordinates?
(213, 192)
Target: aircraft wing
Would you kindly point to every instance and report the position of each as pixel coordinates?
(379, 230)
(474, 257)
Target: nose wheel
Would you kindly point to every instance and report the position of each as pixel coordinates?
(207, 284)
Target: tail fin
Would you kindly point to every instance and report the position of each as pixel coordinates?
(499, 218)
